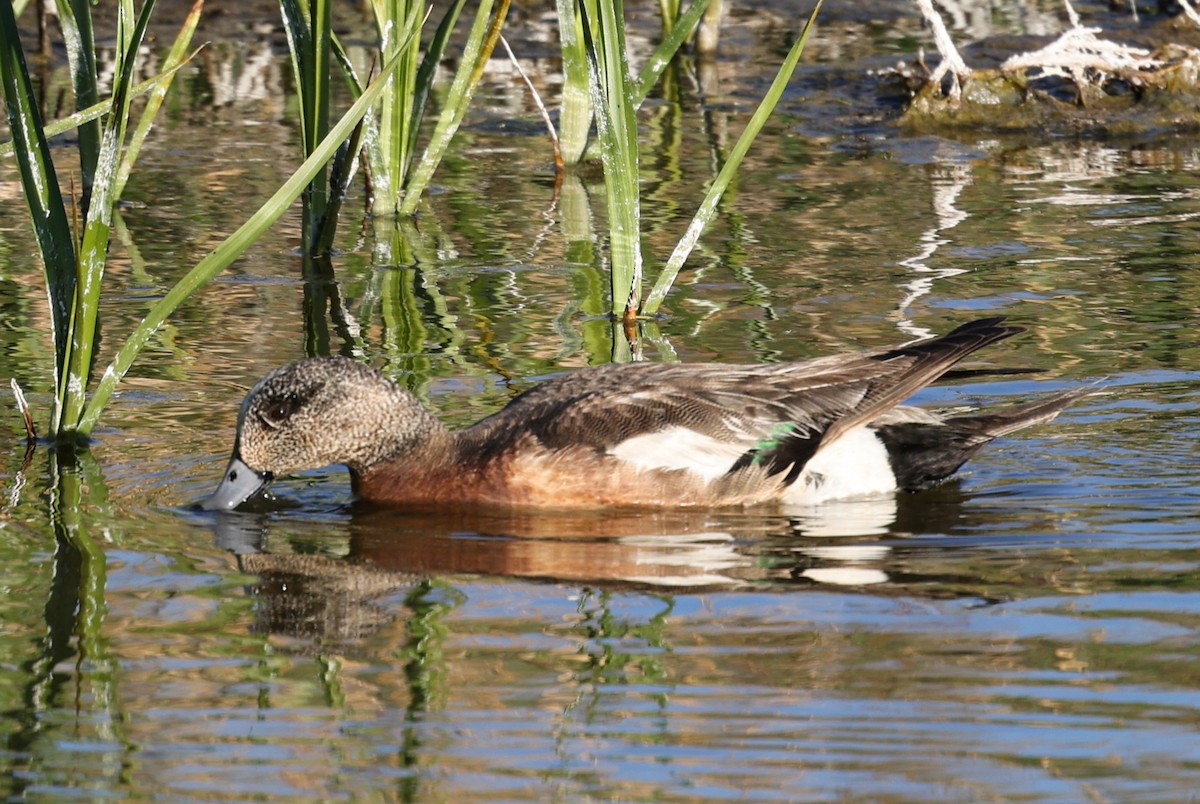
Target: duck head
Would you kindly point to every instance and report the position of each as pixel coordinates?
(318, 412)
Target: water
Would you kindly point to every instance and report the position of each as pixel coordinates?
(1028, 631)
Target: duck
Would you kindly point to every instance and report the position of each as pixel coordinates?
(634, 434)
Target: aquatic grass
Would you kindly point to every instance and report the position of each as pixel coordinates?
(93, 248)
(157, 88)
(390, 139)
(616, 96)
(73, 275)
(314, 50)
(616, 124)
(51, 226)
(674, 38)
(708, 207)
(309, 37)
(575, 107)
(668, 11)
(158, 84)
(398, 176)
(75, 20)
(706, 33)
(232, 247)
(73, 262)
(481, 42)
(390, 136)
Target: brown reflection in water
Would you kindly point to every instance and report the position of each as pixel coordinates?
(334, 599)
(854, 546)
(318, 597)
(678, 549)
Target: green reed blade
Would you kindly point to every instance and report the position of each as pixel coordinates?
(397, 21)
(299, 39)
(159, 86)
(343, 60)
(340, 174)
(575, 109)
(674, 37)
(98, 110)
(345, 163)
(75, 20)
(669, 12)
(309, 36)
(423, 84)
(231, 248)
(481, 41)
(616, 123)
(93, 250)
(316, 118)
(40, 184)
(708, 207)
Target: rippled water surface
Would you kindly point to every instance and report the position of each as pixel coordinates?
(1026, 632)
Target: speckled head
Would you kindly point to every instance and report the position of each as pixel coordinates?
(319, 412)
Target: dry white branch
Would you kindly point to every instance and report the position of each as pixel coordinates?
(1073, 15)
(952, 62)
(1079, 50)
(1079, 54)
(23, 406)
(1190, 12)
(537, 100)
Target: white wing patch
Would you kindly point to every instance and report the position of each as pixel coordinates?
(856, 465)
(679, 448)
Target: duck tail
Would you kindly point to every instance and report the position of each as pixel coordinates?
(987, 426)
(923, 454)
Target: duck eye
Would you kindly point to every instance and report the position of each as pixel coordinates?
(277, 411)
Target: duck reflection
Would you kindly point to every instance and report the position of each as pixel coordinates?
(870, 543)
(328, 578)
(632, 548)
(844, 564)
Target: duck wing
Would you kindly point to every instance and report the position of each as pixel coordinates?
(717, 419)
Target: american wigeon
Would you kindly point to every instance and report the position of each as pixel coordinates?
(638, 434)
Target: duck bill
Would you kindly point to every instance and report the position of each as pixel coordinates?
(238, 484)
